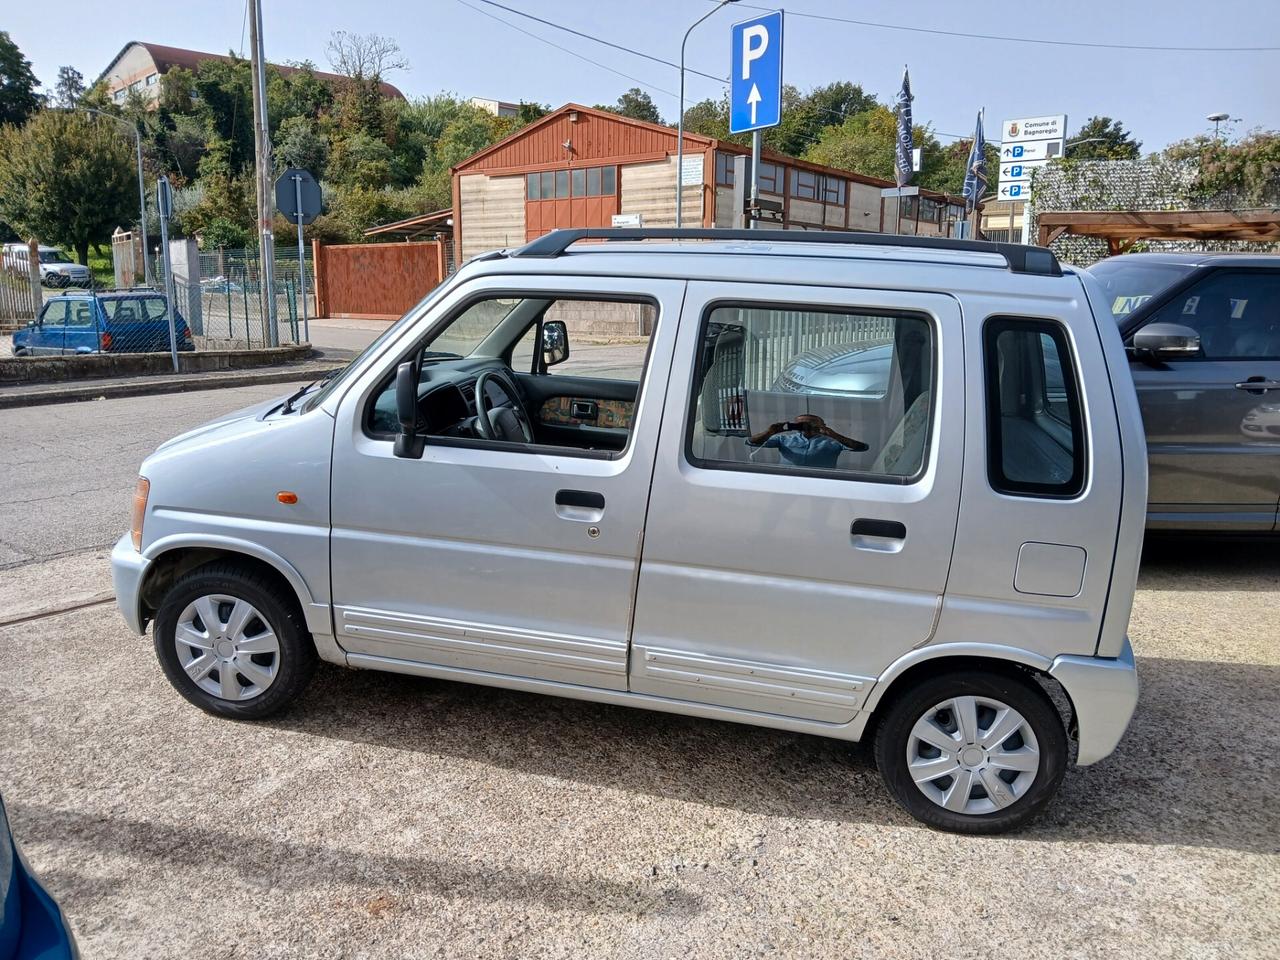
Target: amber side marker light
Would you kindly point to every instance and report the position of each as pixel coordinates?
(140, 494)
(287, 496)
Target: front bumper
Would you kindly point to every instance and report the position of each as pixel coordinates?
(128, 569)
(1104, 693)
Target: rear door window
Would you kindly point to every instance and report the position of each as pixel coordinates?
(1035, 436)
(798, 389)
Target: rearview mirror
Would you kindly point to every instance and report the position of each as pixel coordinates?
(1166, 341)
(409, 444)
(555, 342)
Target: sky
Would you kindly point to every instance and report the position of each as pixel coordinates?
(1160, 96)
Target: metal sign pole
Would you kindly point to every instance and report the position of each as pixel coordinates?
(302, 260)
(755, 182)
(165, 203)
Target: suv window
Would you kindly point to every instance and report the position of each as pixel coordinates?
(799, 389)
(1035, 441)
(80, 314)
(1237, 314)
(55, 314)
(608, 339)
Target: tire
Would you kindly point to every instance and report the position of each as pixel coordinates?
(914, 732)
(264, 676)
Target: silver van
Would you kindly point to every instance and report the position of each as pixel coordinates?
(589, 470)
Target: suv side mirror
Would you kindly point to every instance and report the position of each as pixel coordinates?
(1166, 341)
(555, 342)
(409, 444)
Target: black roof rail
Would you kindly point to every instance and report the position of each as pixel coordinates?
(1021, 258)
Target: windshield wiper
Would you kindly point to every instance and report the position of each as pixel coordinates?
(296, 395)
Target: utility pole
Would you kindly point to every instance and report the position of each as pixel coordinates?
(262, 178)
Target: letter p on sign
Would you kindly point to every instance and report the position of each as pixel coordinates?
(755, 41)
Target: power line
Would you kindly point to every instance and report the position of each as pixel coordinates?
(572, 53)
(607, 43)
(987, 36)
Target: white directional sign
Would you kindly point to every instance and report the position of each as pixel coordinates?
(1038, 150)
(1019, 171)
(1027, 144)
(755, 90)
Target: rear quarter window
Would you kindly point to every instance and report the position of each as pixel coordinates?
(1035, 427)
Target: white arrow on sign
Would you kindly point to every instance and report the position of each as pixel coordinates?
(754, 98)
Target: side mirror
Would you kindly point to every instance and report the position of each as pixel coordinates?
(409, 444)
(1166, 341)
(555, 342)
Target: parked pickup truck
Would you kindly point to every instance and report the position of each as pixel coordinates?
(118, 321)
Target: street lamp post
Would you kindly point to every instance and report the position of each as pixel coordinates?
(680, 121)
(142, 190)
(1218, 118)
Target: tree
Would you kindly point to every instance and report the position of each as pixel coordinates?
(298, 145)
(363, 56)
(67, 177)
(18, 96)
(710, 118)
(1109, 141)
(1246, 171)
(70, 88)
(637, 105)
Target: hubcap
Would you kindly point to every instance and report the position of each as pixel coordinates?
(227, 647)
(973, 755)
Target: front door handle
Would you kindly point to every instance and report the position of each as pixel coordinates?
(883, 529)
(1258, 385)
(585, 506)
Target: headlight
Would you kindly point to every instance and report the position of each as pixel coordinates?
(140, 494)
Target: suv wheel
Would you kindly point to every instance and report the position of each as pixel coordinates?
(972, 752)
(231, 645)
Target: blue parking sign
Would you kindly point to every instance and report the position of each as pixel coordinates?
(755, 90)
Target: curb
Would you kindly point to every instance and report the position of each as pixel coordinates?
(107, 389)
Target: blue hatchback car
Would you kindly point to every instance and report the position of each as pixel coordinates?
(32, 926)
(117, 321)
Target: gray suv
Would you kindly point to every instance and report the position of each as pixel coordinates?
(1202, 331)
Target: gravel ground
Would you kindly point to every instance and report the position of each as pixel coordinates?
(393, 817)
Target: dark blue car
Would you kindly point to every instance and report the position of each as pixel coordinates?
(121, 321)
(32, 926)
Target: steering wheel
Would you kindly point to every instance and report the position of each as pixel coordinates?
(509, 423)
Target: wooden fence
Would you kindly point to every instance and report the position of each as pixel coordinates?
(375, 281)
(19, 302)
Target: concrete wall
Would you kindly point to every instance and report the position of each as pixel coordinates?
(491, 214)
(591, 320)
(864, 207)
(649, 189)
(14, 370)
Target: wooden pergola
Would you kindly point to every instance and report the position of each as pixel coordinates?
(1123, 228)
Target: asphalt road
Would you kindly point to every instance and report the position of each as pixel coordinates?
(69, 469)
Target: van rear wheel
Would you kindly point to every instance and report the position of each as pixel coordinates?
(231, 645)
(972, 752)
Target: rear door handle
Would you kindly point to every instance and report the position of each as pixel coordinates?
(586, 506)
(1258, 385)
(883, 529)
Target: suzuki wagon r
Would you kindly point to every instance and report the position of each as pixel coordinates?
(595, 470)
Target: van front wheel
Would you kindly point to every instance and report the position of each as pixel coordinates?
(972, 752)
(231, 645)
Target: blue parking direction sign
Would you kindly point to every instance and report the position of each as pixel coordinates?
(755, 90)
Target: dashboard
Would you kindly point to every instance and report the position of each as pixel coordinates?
(446, 399)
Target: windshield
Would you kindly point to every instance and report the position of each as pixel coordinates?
(1130, 282)
(53, 256)
(341, 376)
